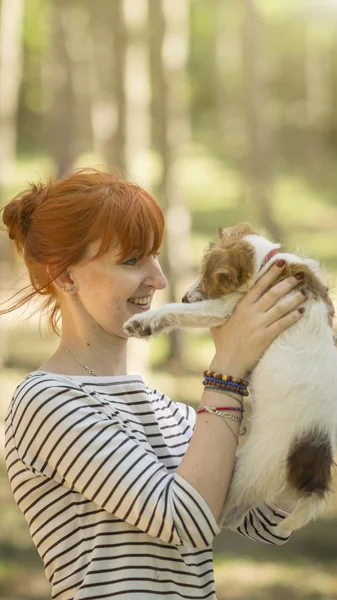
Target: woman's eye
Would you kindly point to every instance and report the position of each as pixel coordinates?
(132, 264)
(128, 262)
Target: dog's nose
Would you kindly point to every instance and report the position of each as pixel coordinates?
(185, 299)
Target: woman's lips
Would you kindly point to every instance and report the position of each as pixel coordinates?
(141, 307)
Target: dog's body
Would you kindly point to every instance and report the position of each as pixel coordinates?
(290, 450)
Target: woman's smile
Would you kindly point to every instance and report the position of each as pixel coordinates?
(143, 302)
(139, 307)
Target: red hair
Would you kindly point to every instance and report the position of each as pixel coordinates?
(53, 224)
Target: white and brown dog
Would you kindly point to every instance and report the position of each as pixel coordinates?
(292, 443)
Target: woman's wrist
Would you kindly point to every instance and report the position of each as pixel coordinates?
(226, 365)
(213, 398)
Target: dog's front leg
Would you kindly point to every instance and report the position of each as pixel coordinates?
(208, 313)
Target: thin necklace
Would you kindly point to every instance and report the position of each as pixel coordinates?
(82, 365)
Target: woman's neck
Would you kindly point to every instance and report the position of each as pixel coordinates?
(71, 358)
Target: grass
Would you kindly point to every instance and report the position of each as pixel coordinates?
(305, 567)
(246, 580)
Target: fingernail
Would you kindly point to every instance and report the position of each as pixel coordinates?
(299, 276)
(281, 263)
(301, 310)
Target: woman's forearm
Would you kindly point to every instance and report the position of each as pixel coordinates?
(209, 460)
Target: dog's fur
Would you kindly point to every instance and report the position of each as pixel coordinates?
(290, 449)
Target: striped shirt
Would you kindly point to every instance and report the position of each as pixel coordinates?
(92, 466)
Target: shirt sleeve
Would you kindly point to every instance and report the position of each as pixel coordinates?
(259, 525)
(62, 432)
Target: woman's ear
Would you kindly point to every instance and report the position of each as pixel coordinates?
(62, 282)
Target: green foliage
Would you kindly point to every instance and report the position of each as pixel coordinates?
(35, 32)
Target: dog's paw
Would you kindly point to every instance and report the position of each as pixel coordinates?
(137, 327)
(142, 326)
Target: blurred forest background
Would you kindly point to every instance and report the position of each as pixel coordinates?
(226, 111)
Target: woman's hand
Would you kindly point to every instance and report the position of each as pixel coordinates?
(257, 320)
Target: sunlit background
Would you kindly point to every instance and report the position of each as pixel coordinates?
(226, 111)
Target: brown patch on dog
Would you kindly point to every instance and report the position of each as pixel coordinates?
(226, 268)
(311, 285)
(309, 464)
(228, 263)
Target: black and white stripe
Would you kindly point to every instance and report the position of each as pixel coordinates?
(92, 465)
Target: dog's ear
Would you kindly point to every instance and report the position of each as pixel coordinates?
(237, 231)
(225, 270)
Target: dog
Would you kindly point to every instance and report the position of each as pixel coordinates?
(291, 446)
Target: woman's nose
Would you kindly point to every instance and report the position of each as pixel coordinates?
(157, 278)
(161, 281)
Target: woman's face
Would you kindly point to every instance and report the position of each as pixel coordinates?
(104, 287)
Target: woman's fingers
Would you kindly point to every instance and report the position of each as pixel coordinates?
(283, 307)
(279, 326)
(266, 281)
(276, 293)
(265, 293)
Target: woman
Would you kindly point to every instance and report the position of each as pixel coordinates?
(121, 487)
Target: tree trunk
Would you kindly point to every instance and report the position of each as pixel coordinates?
(170, 129)
(108, 85)
(317, 101)
(227, 62)
(259, 188)
(59, 91)
(11, 17)
(77, 37)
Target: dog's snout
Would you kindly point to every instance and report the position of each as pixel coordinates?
(185, 299)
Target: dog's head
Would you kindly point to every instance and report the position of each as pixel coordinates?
(231, 264)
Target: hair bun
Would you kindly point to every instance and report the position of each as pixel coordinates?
(18, 213)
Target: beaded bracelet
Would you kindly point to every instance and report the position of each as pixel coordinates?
(226, 382)
(240, 389)
(225, 386)
(215, 375)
